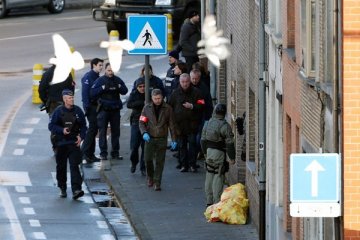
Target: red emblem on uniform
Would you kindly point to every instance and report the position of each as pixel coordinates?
(200, 101)
(144, 119)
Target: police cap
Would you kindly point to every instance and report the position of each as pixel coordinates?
(67, 92)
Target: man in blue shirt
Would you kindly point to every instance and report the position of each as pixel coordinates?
(90, 105)
(107, 90)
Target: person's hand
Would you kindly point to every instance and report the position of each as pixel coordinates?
(231, 161)
(66, 131)
(78, 141)
(173, 145)
(146, 137)
(188, 105)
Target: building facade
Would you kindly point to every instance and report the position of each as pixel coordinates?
(302, 91)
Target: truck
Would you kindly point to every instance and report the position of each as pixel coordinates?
(115, 12)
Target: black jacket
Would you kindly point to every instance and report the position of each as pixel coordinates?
(136, 102)
(187, 120)
(208, 108)
(189, 36)
(53, 92)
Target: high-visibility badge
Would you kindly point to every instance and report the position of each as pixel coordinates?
(143, 119)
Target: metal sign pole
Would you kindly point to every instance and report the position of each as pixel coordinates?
(147, 77)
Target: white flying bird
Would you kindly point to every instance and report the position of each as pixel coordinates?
(214, 46)
(115, 49)
(64, 59)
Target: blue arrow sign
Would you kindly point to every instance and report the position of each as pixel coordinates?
(315, 177)
(148, 33)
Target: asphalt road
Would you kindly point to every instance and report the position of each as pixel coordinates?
(29, 204)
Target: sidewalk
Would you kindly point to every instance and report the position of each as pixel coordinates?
(177, 212)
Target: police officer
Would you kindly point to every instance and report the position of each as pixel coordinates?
(50, 94)
(155, 121)
(170, 76)
(216, 139)
(107, 90)
(68, 124)
(90, 105)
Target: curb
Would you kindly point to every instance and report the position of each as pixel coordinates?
(126, 205)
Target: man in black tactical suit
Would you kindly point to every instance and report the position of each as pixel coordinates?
(68, 124)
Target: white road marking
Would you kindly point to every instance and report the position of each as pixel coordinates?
(10, 212)
(95, 212)
(102, 224)
(107, 237)
(18, 152)
(159, 57)
(8, 118)
(34, 223)
(26, 130)
(29, 211)
(39, 235)
(22, 141)
(25, 200)
(33, 121)
(12, 178)
(20, 189)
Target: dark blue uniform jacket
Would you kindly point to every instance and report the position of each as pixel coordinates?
(57, 125)
(107, 91)
(87, 81)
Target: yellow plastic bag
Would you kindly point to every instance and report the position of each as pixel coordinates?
(212, 213)
(232, 208)
(233, 192)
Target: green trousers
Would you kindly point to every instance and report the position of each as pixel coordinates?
(214, 180)
(154, 152)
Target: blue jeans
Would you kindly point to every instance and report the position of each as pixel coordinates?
(103, 119)
(187, 146)
(136, 141)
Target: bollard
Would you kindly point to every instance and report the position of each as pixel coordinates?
(170, 32)
(37, 74)
(72, 49)
(114, 35)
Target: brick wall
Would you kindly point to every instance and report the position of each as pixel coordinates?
(239, 20)
(351, 119)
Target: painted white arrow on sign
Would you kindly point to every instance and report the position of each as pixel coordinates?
(314, 167)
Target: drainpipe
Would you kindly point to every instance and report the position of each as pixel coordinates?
(262, 124)
(337, 88)
(213, 72)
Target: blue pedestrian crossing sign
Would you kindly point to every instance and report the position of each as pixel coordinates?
(148, 33)
(315, 178)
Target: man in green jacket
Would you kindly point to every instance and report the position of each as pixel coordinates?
(216, 139)
(156, 119)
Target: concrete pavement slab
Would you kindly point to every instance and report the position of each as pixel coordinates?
(176, 212)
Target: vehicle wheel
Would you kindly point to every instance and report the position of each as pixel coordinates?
(3, 10)
(120, 27)
(56, 6)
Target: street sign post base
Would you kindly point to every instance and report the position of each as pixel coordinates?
(315, 209)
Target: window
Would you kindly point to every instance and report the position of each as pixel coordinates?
(308, 36)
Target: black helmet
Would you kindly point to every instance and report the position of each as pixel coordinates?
(220, 109)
